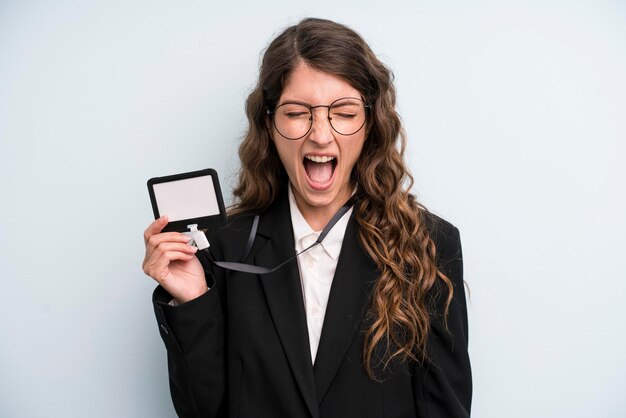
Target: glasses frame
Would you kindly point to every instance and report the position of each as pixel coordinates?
(272, 113)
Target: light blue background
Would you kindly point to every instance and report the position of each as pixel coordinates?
(515, 113)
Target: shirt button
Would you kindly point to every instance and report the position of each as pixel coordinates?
(315, 310)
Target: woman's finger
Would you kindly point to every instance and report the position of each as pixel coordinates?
(172, 246)
(154, 228)
(157, 239)
(158, 267)
(163, 247)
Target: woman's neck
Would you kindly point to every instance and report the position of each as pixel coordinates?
(318, 216)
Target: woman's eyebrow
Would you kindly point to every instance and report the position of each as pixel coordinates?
(294, 101)
(348, 102)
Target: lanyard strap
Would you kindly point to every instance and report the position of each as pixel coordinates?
(250, 268)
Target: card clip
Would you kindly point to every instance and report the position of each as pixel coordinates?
(197, 237)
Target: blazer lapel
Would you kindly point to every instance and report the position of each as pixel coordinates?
(283, 292)
(349, 296)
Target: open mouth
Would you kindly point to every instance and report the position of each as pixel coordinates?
(319, 168)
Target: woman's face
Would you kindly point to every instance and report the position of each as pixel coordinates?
(319, 164)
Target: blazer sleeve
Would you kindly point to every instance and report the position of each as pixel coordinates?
(443, 383)
(194, 337)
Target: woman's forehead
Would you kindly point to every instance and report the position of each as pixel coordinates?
(312, 86)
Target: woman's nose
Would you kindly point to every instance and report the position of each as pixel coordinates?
(321, 131)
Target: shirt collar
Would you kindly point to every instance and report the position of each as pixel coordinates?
(304, 235)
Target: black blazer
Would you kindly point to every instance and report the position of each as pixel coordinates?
(242, 349)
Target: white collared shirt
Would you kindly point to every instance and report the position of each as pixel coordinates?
(317, 267)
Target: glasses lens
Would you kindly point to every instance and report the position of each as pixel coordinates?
(292, 120)
(347, 116)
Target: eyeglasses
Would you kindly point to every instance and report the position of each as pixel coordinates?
(294, 120)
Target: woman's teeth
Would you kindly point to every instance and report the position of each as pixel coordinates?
(319, 158)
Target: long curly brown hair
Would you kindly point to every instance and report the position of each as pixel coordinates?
(391, 223)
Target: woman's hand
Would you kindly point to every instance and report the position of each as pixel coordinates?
(171, 261)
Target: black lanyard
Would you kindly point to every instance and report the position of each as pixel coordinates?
(250, 268)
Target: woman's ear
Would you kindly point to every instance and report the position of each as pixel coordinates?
(268, 126)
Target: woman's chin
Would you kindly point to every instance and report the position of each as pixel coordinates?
(325, 196)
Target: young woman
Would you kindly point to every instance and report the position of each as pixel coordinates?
(372, 322)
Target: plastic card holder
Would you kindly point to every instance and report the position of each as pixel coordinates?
(188, 198)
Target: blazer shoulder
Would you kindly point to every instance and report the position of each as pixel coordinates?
(445, 235)
(449, 254)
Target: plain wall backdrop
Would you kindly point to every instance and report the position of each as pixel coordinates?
(515, 114)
